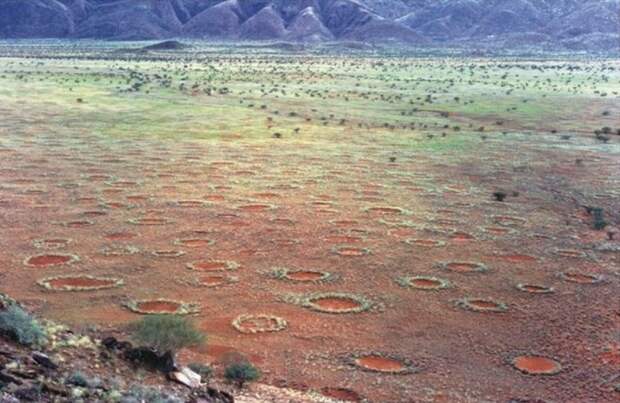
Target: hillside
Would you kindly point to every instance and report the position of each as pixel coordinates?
(559, 24)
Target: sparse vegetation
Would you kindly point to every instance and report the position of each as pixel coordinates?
(599, 219)
(167, 333)
(19, 325)
(241, 373)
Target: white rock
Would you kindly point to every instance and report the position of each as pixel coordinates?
(186, 377)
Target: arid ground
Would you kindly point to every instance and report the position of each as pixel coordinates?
(337, 219)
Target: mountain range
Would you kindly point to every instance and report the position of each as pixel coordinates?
(568, 24)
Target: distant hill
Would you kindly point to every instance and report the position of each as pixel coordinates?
(568, 24)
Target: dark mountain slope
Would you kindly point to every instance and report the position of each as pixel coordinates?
(35, 19)
(571, 24)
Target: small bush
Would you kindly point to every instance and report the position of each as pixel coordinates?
(77, 379)
(599, 220)
(21, 326)
(167, 333)
(241, 372)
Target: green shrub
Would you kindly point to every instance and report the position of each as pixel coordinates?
(167, 332)
(77, 379)
(21, 326)
(241, 373)
(599, 220)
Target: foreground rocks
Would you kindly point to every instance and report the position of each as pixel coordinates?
(74, 367)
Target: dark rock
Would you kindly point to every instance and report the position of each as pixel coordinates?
(110, 343)
(212, 395)
(28, 373)
(28, 394)
(43, 360)
(166, 362)
(124, 345)
(149, 358)
(54, 389)
(8, 378)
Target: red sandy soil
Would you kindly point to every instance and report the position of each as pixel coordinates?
(81, 282)
(461, 355)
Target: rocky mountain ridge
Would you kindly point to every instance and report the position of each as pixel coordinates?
(567, 24)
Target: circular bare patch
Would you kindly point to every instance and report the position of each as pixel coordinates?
(536, 365)
(213, 265)
(382, 363)
(191, 203)
(581, 278)
(509, 221)
(425, 243)
(119, 250)
(300, 275)
(426, 283)
(482, 305)
(51, 243)
(463, 267)
(571, 253)
(341, 394)
(194, 242)
(340, 238)
(459, 236)
(256, 207)
(344, 223)
(350, 251)
(168, 253)
(383, 210)
(517, 258)
(94, 213)
(78, 223)
(162, 306)
(535, 289)
(499, 231)
(215, 280)
(49, 260)
(150, 221)
(283, 221)
(336, 303)
(120, 236)
(79, 283)
(252, 324)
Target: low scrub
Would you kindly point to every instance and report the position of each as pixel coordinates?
(167, 333)
(241, 373)
(20, 326)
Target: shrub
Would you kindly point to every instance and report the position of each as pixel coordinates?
(167, 332)
(599, 220)
(241, 373)
(77, 379)
(21, 326)
(499, 196)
